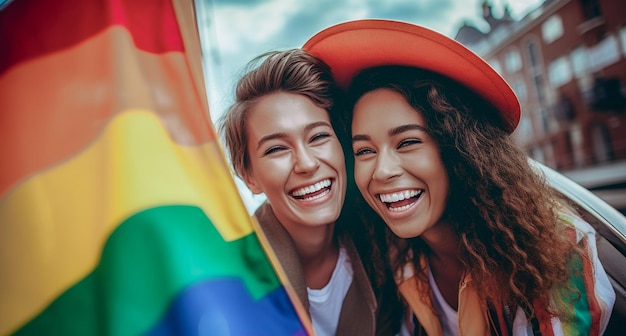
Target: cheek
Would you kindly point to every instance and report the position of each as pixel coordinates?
(440, 183)
(444, 188)
(332, 154)
(272, 171)
(335, 154)
(361, 176)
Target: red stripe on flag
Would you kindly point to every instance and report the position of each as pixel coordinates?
(592, 299)
(544, 318)
(28, 30)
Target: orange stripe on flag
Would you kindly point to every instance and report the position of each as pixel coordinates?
(69, 114)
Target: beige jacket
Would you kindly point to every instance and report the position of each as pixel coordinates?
(358, 314)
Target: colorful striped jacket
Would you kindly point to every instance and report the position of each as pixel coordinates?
(587, 316)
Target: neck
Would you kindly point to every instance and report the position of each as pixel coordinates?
(312, 250)
(445, 265)
(443, 244)
(318, 252)
(442, 240)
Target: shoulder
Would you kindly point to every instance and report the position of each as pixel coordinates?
(577, 224)
(592, 279)
(264, 212)
(268, 222)
(278, 238)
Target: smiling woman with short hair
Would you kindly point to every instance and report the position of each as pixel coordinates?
(282, 143)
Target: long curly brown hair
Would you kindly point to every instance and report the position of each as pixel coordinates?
(504, 214)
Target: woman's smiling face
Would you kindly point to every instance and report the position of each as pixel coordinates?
(398, 166)
(296, 160)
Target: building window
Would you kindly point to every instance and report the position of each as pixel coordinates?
(539, 89)
(606, 94)
(512, 61)
(559, 71)
(576, 138)
(604, 53)
(601, 142)
(622, 38)
(591, 9)
(532, 54)
(563, 110)
(552, 29)
(545, 119)
(580, 61)
(495, 65)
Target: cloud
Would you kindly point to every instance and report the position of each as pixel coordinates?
(235, 31)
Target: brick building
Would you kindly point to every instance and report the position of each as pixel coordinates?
(566, 60)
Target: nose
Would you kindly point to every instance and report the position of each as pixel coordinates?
(387, 166)
(306, 161)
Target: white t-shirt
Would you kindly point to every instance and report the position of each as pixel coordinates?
(326, 303)
(448, 317)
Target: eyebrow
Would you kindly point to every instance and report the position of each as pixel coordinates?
(404, 128)
(282, 135)
(392, 132)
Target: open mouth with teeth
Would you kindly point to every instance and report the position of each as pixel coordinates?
(402, 200)
(313, 191)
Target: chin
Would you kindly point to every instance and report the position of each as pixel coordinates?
(320, 220)
(403, 232)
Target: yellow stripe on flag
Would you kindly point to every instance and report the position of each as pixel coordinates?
(66, 214)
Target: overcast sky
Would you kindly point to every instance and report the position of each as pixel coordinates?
(235, 31)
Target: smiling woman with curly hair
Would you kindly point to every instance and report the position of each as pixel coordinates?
(478, 242)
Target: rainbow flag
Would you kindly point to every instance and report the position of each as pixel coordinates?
(118, 213)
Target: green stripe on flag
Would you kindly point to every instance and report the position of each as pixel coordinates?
(578, 319)
(149, 259)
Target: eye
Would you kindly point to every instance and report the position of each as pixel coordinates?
(273, 149)
(363, 151)
(320, 136)
(408, 142)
